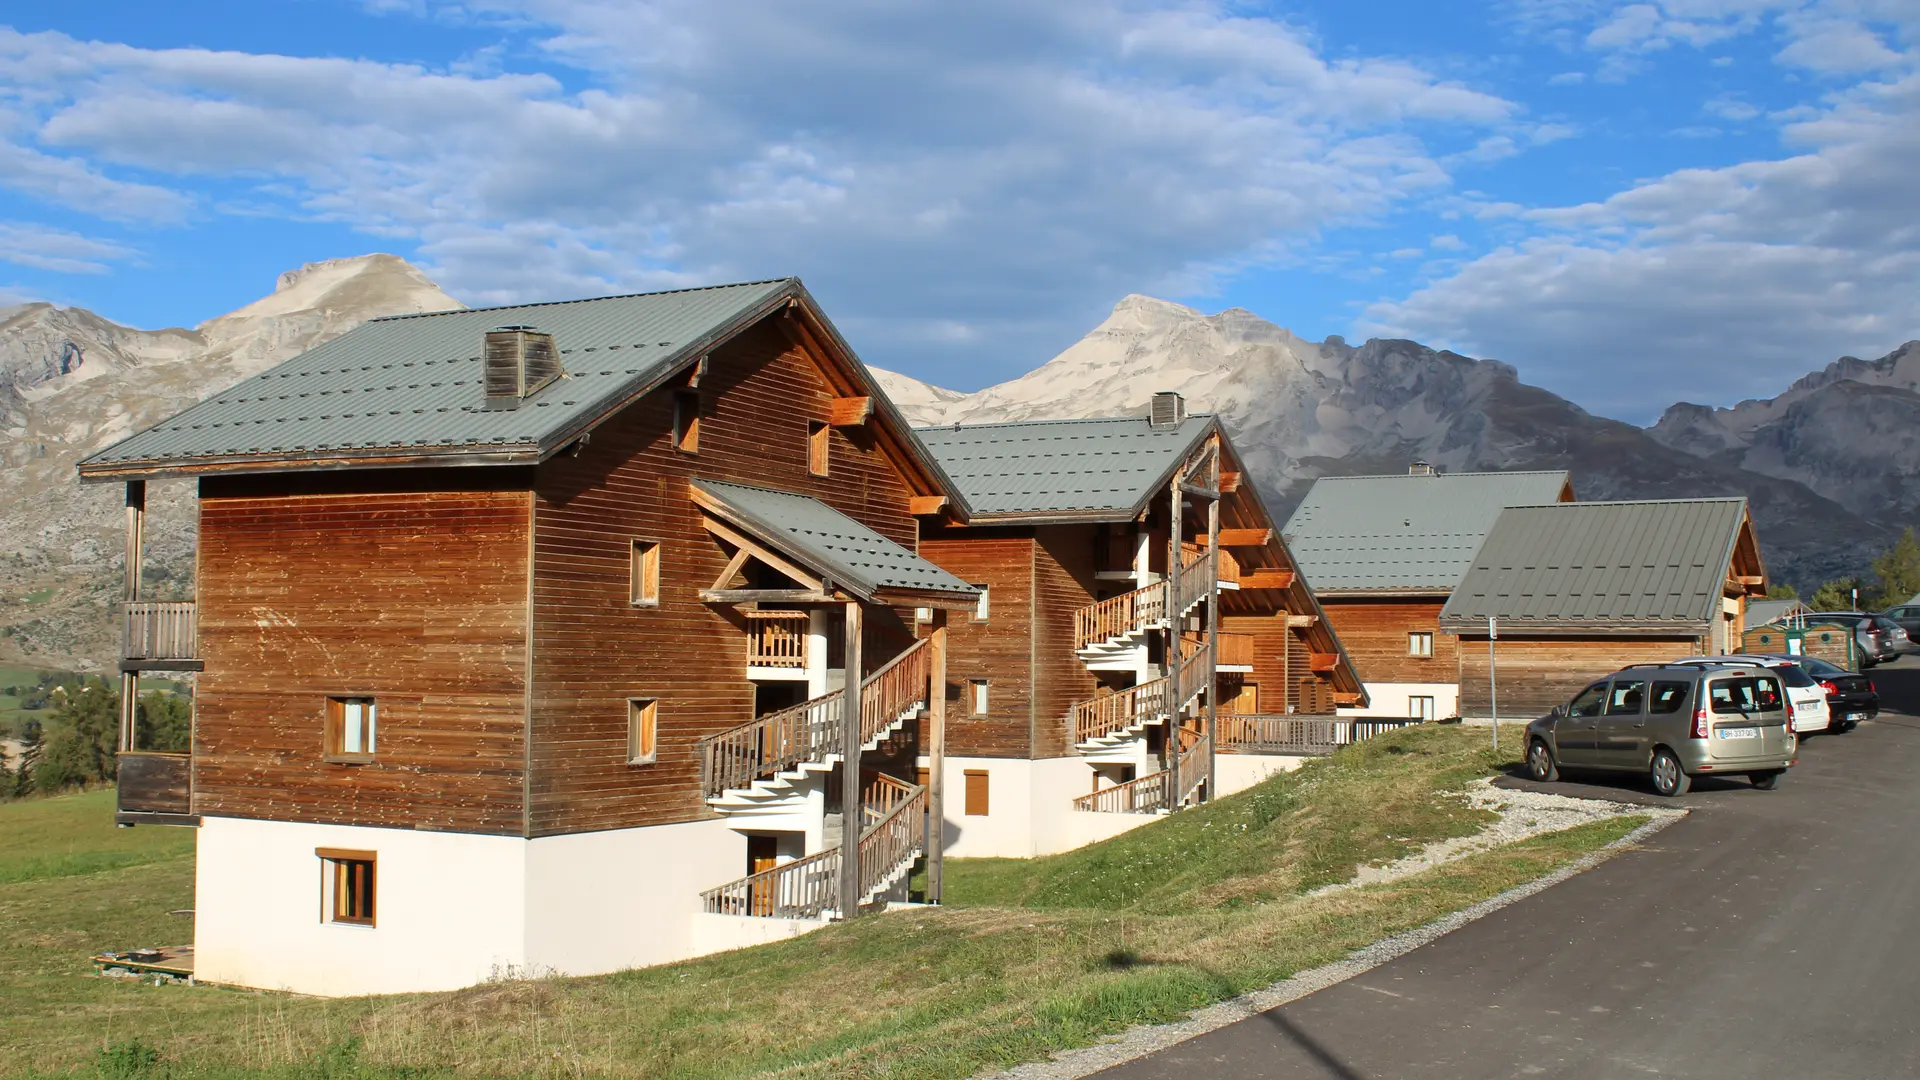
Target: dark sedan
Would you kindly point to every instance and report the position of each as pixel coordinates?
(1851, 696)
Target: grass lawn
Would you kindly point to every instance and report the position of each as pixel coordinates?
(1027, 958)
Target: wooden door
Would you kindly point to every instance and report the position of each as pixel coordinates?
(1240, 699)
(763, 853)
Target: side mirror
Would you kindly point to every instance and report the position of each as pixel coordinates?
(1558, 710)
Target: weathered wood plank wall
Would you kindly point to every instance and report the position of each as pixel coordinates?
(1375, 634)
(1537, 673)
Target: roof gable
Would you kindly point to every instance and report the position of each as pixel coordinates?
(1406, 532)
(1100, 469)
(1602, 565)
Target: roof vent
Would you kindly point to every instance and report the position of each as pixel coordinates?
(519, 361)
(1422, 468)
(1168, 410)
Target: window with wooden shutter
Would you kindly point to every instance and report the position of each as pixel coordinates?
(819, 447)
(976, 792)
(643, 724)
(349, 883)
(686, 421)
(644, 573)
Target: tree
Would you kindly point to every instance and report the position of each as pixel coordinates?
(165, 723)
(1835, 595)
(1898, 571)
(1782, 591)
(81, 738)
(19, 782)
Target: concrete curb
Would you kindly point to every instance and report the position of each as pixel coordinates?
(1140, 1041)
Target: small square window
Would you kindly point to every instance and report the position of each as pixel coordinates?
(819, 447)
(1420, 643)
(1420, 706)
(644, 573)
(923, 614)
(348, 881)
(350, 729)
(980, 606)
(643, 718)
(977, 697)
(686, 421)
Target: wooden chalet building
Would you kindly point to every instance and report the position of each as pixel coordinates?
(1127, 568)
(1383, 554)
(521, 636)
(1579, 590)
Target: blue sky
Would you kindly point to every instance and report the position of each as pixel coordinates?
(1634, 203)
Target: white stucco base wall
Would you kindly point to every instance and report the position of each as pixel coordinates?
(454, 909)
(1390, 700)
(1238, 772)
(1029, 808)
(722, 933)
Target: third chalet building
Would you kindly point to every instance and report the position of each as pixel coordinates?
(525, 636)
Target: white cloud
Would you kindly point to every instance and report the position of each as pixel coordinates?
(1710, 284)
(1834, 46)
(1729, 107)
(1447, 242)
(1000, 166)
(1568, 78)
(42, 248)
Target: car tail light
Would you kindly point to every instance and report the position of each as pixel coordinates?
(1791, 728)
(1827, 686)
(1699, 724)
(1872, 689)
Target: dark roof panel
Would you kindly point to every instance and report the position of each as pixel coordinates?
(1061, 466)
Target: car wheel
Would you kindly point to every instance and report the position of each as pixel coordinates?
(1669, 779)
(1540, 764)
(1767, 781)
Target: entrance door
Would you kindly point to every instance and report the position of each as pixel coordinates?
(1241, 699)
(763, 853)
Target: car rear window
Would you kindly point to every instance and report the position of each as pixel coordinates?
(1746, 694)
(1668, 697)
(1821, 667)
(1792, 675)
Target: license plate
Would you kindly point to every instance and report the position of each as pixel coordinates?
(1739, 733)
(1856, 716)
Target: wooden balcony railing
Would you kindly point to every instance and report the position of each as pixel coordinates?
(155, 783)
(1190, 674)
(1236, 650)
(1196, 581)
(810, 888)
(1196, 765)
(161, 631)
(777, 639)
(1120, 710)
(1119, 616)
(1145, 795)
(810, 731)
(1304, 735)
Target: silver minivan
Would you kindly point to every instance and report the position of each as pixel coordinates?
(1672, 723)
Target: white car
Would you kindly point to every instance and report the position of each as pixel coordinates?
(1804, 694)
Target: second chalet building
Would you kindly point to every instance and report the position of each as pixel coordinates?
(526, 636)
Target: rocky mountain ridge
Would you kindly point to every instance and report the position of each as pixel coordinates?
(72, 382)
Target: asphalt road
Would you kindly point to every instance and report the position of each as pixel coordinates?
(1767, 934)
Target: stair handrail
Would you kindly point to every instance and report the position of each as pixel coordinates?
(1196, 580)
(885, 793)
(1118, 616)
(1142, 795)
(896, 686)
(1196, 764)
(897, 838)
(809, 887)
(1098, 717)
(1190, 674)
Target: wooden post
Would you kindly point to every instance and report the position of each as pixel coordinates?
(130, 592)
(1176, 535)
(936, 754)
(851, 817)
(1213, 646)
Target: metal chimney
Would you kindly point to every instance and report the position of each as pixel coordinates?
(1421, 468)
(519, 360)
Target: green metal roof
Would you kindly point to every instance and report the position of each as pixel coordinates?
(829, 542)
(1626, 565)
(1404, 533)
(1077, 468)
(410, 386)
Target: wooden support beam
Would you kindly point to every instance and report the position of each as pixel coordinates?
(852, 820)
(1322, 662)
(1266, 579)
(1229, 483)
(768, 596)
(936, 757)
(1245, 537)
(1750, 579)
(927, 505)
(1301, 622)
(851, 411)
(1346, 697)
(1199, 492)
(732, 570)
(766, 555)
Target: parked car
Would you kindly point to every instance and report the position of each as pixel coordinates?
(1908, 617)
(1672, 722)
(1851, 696)
(1810, 711)
(1879, 639)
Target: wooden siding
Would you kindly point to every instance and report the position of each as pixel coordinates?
(418, 600)
(1375, 634)
(1310, 694)
(1272, 644)
(1064, 561)
(1538, 673)
(593, 649)
(998, 650)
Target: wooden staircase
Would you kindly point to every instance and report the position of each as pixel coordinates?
(1156, 792)
(771, 758)
(1113, 628)
(1103, 723)
(894, 837)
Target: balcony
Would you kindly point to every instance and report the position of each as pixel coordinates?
(778, 644)
(155, 789)
(161, 635)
